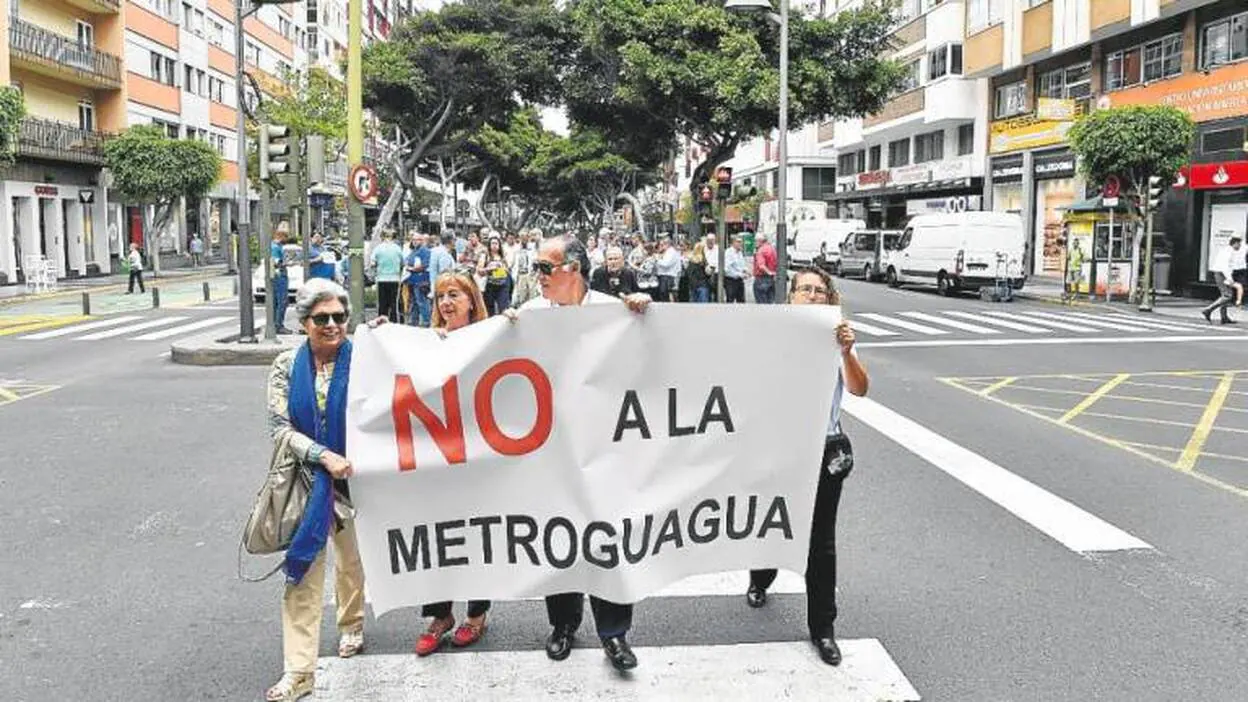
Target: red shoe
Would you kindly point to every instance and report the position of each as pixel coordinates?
(431, 640)
(468, 633)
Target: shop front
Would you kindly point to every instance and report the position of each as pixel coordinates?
(888, 198)
(1220, 191)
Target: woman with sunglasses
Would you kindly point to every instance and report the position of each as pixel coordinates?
(492, 266)
(457, 302)
(811, 286)
(307, 403)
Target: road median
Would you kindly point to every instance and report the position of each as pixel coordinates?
(214, 350)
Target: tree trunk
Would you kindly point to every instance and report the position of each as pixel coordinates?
(388, 210)
(408, 166)
(485, 189)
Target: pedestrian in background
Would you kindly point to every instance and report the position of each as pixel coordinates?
(197, 251)
(387, 260)
(492, 267)
(668, 267)
(134, 260)
(699, 274)
(307, 403)
(735, 271)
(764, 270)
(418, 281)
(281, 278)
(614, 278)
(812, 286)
(1223, 267)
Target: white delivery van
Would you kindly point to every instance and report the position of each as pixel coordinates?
(796, 213)
(958, 250)
(821, 239)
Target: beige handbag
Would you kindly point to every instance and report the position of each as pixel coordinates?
(279, 506)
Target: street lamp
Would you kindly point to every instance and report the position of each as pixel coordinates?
(782, 170)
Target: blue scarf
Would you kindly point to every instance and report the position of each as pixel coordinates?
(328, 430)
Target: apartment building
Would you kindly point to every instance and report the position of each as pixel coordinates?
(1048, 62)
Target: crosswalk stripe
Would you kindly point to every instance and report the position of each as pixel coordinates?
(1093, 322)
(1045, 322)
(1167, 324)
(1140, 324)
(871, 329)
(1016, 326)
(163, 321)
(184, 329)
(964, 326)
(903, 324)
(65, 331)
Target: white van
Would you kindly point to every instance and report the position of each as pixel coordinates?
(796, 212)
(821, 239)
(958, 250)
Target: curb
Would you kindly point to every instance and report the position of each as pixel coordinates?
(213, 351)
(1177, 311)
(110, 287)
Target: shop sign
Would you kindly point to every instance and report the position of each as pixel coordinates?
(1028, 132)
(1217, 94)
(1208, 176)
(937, 205)
(953, 169)
(1055, 109)
(1060, 165)
(1006, 169)
(86, 197)
(872, 179)
(910, 175)
(46, 191)
(846, 184)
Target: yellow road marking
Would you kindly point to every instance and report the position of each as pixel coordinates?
(1164, 386)
(8, 396)
(1090, 400)
(15, 320)
(1201, 434)
(45, 324)
(1098, 376)
(997, 386)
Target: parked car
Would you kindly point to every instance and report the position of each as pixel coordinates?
(293, 255)
(863, 251)
(958, 251)
(817, 242)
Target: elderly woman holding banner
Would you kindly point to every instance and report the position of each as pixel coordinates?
(307, 403)
(812, 286)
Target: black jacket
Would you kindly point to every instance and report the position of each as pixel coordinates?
(618, 284)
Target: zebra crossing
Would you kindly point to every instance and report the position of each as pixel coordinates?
(1023, 323)
(128, 327)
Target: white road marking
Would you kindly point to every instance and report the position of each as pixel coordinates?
(871, 329)
(1090, 320)
(1043, 321)
(713, 673)
(1074, 528)
(933, 343)
(184, 329)
(130, 329)
(75, 328)
(1161, 323)
(1016, 326)
(902, 324)
(731, 583)
(964, 326)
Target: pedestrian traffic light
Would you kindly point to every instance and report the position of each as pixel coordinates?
(1155, 191)
(274, 150)
(724, 177)
(705, 194)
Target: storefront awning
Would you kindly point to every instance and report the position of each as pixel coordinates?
(918, 189)
(1097, 204)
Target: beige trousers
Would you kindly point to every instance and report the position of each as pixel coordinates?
(303, 604)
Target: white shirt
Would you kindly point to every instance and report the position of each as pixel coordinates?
(712, 259)
(734, 263)
(1239, 259)
(1224, 262)
(592, 297)
(669, 263)
(136, 260)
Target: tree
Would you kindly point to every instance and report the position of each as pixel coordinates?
(689, 67)
(444, 74)
(12, 110)
(589, 176)
(150, 169)
(1137, 143)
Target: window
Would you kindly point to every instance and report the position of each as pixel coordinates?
(1070, 83)
(966, 139)
(929, 147)
(910, 9)
(1225, 41)
(847, 164)
(216, 89)
(1164, 58)
(86, 115)
(984, 13)
(283, 68)
(251, 54)
(171, 129)
(86, 34)
(1223, 140)
(189, 84)
(1122, 68)
(216, 32)
(188, 14)
(899, 153)
(1011, 100)
(946, 60)
(198, 28)
(163, 69)
(818, 183)
(874, 158)
(911, 79)
(283, 26)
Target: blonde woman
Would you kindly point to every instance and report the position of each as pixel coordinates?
(699, 278)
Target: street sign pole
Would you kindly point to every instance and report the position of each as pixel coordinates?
(355, 155)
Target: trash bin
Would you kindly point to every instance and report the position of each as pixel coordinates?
(1161, 271)
(748, 240)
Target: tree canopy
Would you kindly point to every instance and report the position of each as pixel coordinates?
(12, 110)
(150, 168)
(1133, 142)
(316, 103)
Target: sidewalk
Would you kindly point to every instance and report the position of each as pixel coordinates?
(15, 294)
(1165, 305)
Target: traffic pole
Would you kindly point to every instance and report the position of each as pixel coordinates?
(355, 156)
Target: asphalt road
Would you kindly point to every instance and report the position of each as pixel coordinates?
(126, 480)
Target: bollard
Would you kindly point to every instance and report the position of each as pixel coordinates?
(86, 304)
(207, 292)
(236, 287)
(155, 297)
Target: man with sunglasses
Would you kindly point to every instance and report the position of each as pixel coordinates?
(562, 272)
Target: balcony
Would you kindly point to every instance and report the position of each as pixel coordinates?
(38, 50)
(97, 7)
(50, 140)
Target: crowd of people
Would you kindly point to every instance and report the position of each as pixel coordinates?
(450, 283)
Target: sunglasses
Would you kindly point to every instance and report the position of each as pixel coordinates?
(546, 267)
(322, 319)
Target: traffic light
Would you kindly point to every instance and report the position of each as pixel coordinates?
(1155, 191)
(316, 159)
(743, 192)
(275, 153)
(724, 177)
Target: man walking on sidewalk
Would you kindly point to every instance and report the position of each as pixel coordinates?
(135, 263)
(1223, 274)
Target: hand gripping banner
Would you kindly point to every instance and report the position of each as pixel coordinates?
(587, 449)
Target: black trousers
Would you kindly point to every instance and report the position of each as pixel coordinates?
(567, 608)
(388, 301)
(442, 610)
(820, 558)
(734, 289)
(136, 274)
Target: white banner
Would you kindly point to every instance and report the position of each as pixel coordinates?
(587, 449)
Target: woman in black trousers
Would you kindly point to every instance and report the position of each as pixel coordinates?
(814, 287)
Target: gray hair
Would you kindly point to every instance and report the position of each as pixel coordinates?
(762, 236)
(574, 252)
(613, 249)
(315, 291)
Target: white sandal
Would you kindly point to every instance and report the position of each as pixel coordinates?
(291, 687)
(350, 643)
